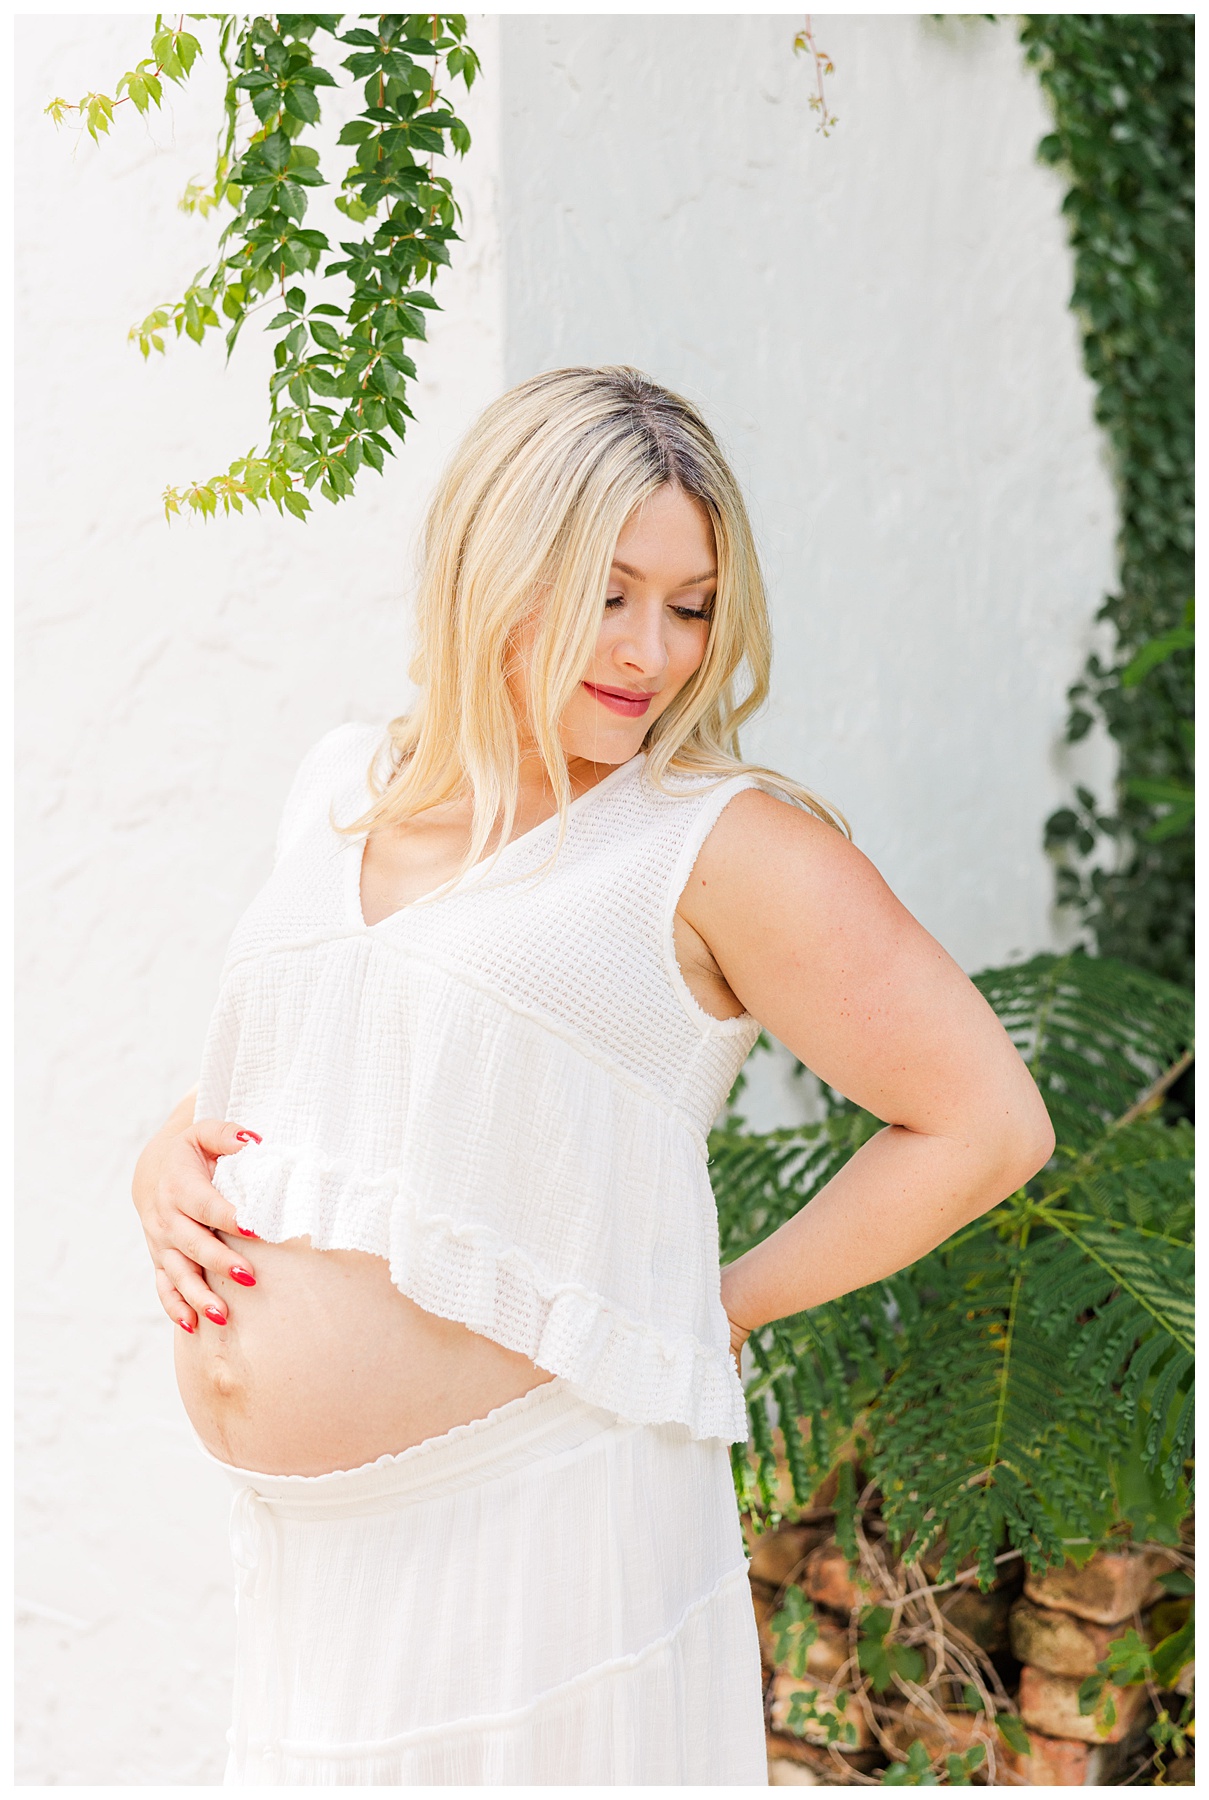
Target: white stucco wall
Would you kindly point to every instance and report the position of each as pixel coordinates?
(877, 321)
(170, 681)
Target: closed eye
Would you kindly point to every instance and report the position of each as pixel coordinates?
(683, 612)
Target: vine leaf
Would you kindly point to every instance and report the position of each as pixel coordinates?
(337, 394)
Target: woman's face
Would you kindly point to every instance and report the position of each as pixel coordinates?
(654, 630)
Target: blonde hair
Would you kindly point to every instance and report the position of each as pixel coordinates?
(532, 504)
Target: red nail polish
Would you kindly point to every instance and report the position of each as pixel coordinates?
(219, 1318)
(244, 1277)
(183, 1325)
(246, 1137)
(243, 1233)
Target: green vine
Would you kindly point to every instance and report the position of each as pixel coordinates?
(1120, 86)
(173, 52)
(337, 392)
(823, 65)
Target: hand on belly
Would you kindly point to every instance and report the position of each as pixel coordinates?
(325, 1365)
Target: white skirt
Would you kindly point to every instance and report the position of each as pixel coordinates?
(549, 1594)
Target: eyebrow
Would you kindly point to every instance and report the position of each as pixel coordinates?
(697, 580)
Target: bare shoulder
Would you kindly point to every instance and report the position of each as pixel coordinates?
(809, 937)
(754, 816)
(763, 849)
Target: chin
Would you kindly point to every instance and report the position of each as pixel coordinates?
(614, 742)
(613, 747)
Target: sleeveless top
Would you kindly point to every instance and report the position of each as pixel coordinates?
(504, 1091)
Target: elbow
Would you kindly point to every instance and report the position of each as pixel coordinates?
(1045, 1146)
(1007, 1158)
(1025, 1152)
(1037, 1139)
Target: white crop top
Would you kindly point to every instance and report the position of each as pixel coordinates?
(505, 1091)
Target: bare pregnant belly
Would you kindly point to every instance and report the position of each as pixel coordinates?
(325, 1365)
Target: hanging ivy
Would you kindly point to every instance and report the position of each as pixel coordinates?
(337, 393)
(1121, 89)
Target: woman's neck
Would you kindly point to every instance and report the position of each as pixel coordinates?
(534, 787)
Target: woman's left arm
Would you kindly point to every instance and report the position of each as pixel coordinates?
(818, 949)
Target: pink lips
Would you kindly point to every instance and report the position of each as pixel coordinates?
(630, 706)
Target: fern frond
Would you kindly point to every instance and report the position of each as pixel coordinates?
(1136, 1348)
(1157, 1276)
(1139, 1174)
(1066, 1285)
(1107, 1341)
(816, 1371)
(1094, 1032)
(1182, 1433)
(983, 1425)
(1142, 1365)
(1000, 1385)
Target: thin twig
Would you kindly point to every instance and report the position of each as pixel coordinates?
(1157, 1089)
(966, 1577)
(823, 65)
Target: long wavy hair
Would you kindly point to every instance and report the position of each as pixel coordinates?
(522, 531)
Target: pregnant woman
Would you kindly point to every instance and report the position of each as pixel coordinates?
(437, 1228)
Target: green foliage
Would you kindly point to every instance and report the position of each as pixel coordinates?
(1029, 1382)
(1130, 1662)
(982, 1433)
(961, 1768)
(817, 1715)
(879, 1657)
(917, 1770)
(173, 53)
(825, 1714)
(794, 1628)
(823, 66)
(1120, 87)
(337, 395)
(1173, 1735)
(1092, 1031)
(1013, 1733)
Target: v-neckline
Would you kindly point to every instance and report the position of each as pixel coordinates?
(357, 848)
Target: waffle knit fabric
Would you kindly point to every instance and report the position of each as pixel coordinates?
(504, 1091)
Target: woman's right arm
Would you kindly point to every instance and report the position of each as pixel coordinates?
(181, 1210)
(815, 945)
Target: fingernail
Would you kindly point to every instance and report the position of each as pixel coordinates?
(243, 1233)
(219, 1318)
(183, 1325)
(244, 1277)
(246, 1137)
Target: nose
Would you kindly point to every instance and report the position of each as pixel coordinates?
(644, 649)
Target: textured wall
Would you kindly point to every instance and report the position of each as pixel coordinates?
(170, 680)
(877, 320)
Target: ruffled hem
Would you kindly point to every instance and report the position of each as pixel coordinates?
(469, 1273)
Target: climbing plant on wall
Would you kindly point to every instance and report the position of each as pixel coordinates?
(341, 361)
(1120, 86)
